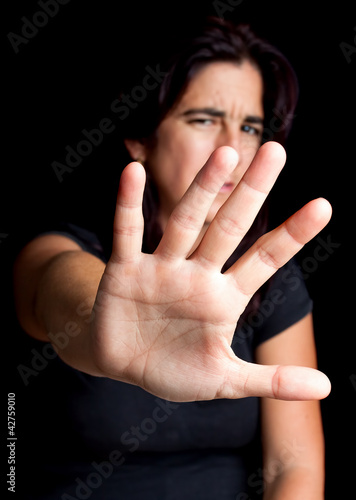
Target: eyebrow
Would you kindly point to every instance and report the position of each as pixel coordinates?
(219, 113)
(205, 111)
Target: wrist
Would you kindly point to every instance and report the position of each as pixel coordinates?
(74, 345)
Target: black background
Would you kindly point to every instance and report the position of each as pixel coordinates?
(66, 78)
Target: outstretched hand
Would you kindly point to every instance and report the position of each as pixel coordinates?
(165, 321)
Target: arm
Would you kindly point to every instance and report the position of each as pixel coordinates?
(292, 433)
(55, 285)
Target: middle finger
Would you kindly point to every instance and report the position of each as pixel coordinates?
(236, 216)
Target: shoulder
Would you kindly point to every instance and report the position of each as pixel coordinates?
(87, 239)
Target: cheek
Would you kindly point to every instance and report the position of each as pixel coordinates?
(176, 161)
(248, 149)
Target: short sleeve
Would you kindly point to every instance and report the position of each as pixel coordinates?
(285, 303)
(85, 238)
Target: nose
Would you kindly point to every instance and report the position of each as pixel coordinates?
(245, 144)
(230, 136)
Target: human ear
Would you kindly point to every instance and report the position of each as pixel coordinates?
(136, 149)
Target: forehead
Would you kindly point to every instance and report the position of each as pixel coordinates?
(224, 84)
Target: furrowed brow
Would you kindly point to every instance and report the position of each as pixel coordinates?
(205, 111)
(254, 119)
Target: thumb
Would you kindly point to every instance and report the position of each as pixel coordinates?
(290, 383)
(128, 220)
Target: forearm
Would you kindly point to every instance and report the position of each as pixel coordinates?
(64, 304)
(295, 483)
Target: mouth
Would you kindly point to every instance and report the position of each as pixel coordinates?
(228, 187)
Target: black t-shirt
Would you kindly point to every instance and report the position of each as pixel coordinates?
(96, 438)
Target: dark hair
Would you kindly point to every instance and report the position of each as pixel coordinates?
(215, 40)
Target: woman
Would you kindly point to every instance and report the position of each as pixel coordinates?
(154, 390)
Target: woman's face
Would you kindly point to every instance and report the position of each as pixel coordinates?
(222, 105)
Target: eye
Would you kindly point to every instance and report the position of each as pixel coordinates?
(251, 130)
(202, 122)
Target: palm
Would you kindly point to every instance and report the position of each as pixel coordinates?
(165, 321)
(165, 332)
